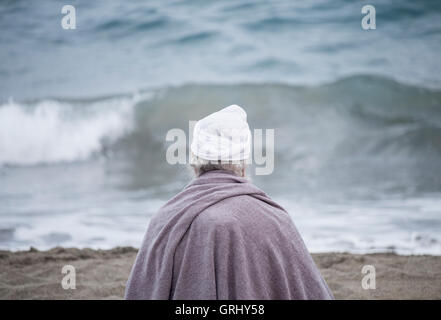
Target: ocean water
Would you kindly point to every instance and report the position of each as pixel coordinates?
(357, 115)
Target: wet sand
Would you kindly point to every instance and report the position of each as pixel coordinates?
(102, 274)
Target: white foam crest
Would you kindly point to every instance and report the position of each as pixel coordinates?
(52, 131)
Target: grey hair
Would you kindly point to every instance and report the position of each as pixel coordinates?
(201, 166)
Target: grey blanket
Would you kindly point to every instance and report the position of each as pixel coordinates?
(223, 238)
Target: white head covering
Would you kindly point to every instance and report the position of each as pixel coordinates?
(223, 135)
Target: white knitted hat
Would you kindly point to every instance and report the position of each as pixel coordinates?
(223, 135)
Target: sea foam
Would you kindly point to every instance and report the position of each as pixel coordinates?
(52, 131)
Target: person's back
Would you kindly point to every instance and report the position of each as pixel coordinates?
(252, 250)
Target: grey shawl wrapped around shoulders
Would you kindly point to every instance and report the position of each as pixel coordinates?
(223, 238)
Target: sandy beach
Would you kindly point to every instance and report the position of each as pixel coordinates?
(102, 274)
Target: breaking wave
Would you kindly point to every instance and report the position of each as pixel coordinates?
(374, 127)
(51, 131)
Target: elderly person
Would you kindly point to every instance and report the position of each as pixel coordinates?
(222, 237)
